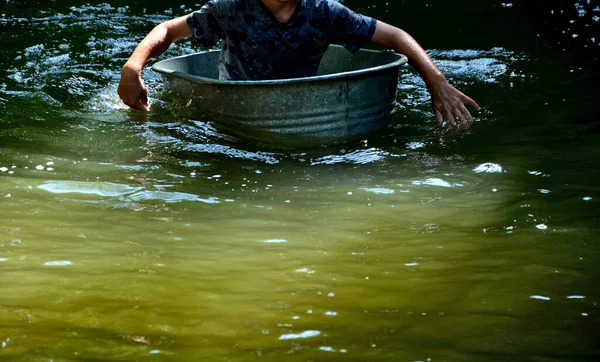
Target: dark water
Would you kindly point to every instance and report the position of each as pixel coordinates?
(161, 237)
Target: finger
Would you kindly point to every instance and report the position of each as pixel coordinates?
(449, 117)
(465, 113)
(144, 99)
(439, 117)
(139, 106)
(462, 122)
(460, 118)
(124, 97)
(138, 103)
(128, 102)
(470, 101)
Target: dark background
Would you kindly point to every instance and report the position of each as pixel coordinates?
(545, 25)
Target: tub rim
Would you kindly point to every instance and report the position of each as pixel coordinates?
(159, 68)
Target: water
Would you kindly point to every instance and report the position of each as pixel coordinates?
(161, 237)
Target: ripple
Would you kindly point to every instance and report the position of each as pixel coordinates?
(539, 297)
(415, 145)
(265, 157)
(125, 192)
(106, 189)
(438, 182)
(331, 349)
(58, 263)
(484, 66)
(378, 190)
(327, 349)
(488, 168)
(305, 334)
(171, 197)
(460, 66)
(76, 70)
(274, 241)
(359, 157)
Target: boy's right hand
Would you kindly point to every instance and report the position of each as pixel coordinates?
(132, 90)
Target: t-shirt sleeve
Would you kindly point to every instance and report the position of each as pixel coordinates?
(350, 29)
(205, 24)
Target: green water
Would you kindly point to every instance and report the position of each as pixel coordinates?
(160, 237)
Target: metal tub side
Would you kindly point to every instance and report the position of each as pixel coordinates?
(352, 94)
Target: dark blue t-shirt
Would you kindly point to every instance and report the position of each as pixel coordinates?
(256, 46)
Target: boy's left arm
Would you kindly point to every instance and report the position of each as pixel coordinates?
(448, 102)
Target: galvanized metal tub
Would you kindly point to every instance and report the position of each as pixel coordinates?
(351, 95)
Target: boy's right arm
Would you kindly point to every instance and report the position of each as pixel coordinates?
(132, 90)
(448, 102)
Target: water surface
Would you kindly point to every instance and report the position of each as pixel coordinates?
(162, 237)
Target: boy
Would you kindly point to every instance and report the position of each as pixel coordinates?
(276, 39)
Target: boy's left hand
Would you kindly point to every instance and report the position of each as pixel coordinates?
(449, 104)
